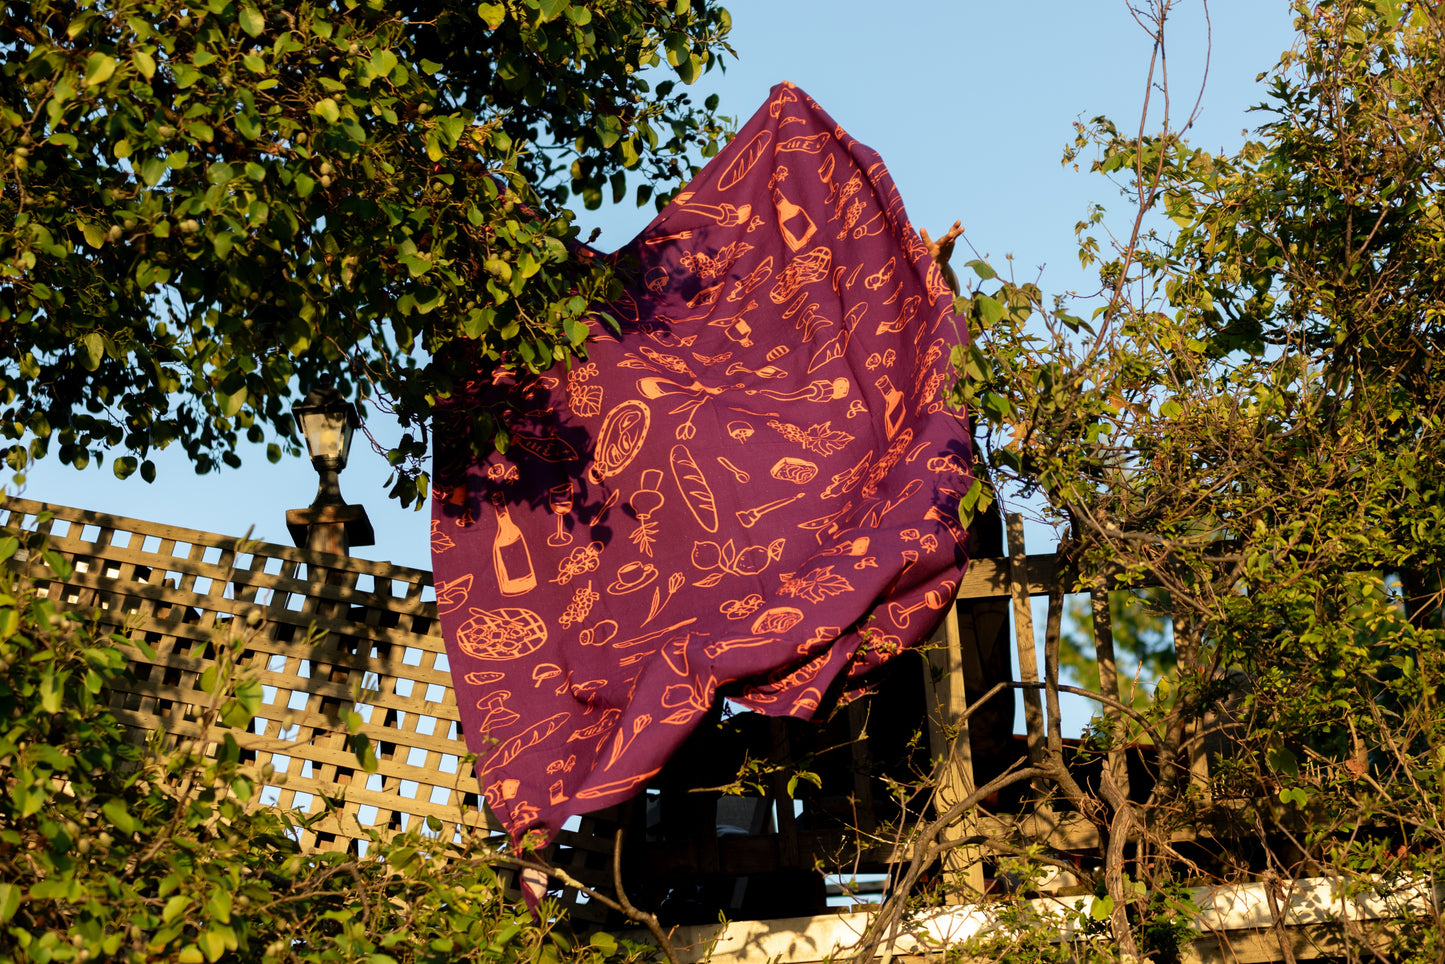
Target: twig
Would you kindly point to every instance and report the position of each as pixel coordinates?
(1134, 714)
(650, 921)
(926, 849)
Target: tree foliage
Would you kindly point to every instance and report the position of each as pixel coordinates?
(1247, 415)
(207, 209)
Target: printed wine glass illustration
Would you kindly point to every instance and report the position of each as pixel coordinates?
(560, 498)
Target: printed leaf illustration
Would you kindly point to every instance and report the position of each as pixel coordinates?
(818, 585)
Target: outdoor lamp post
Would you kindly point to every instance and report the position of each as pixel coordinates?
(329, 524)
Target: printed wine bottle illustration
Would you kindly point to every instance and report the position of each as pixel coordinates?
(797, 226)
(510, 558)
(893, 399)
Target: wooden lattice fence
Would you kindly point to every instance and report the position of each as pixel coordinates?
(329, 638)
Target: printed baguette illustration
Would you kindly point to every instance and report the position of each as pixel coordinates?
(694, 488)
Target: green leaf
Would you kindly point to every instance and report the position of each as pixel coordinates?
(144, 63)
(92, 350)
(492, 14)
(231, 402)
(365, 752)
(976, 500)
(989, 310)
(98, 69)
(58, 564)
(119, 817)
(51, 692)
(185, 74)
(125, 466)
(175, 907)
(982, 269)
(577, 331)
(251, 21)
(94, 235)
(1282, 760)
(236, 715)
(211, 945)
(383, 62)
(690, 69)
(678, 47)
(78, 25)
(609, 129)
(1298, 796)
(30, 800)
(551, 8)
(152, 169)
(326, 107)
(9, 901)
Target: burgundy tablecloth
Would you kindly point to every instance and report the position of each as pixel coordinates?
(750, 492)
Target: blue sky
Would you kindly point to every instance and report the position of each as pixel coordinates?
(970, 105)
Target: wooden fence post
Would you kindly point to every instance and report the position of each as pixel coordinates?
(1109, 680)
(1024, 636)
(952, 752)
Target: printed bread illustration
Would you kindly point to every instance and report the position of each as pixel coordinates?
(800, 471)
(548, 448)
(695, 490)
(778, 620)
(740, 167)
(808, 145)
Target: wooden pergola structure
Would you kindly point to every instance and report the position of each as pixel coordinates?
(328, 636)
